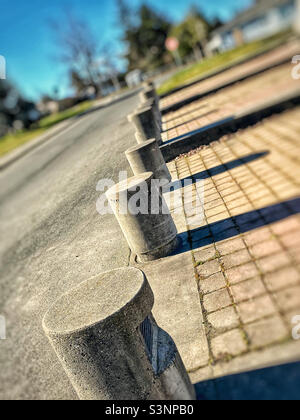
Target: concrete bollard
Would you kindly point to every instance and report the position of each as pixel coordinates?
(145, 123)
(148, 93)
(147, 157)
(144, 217)
(109, 344)
(149, 84)
(157, 114)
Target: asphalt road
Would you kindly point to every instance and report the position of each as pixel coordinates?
(52, 238)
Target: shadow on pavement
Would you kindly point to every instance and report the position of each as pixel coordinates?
(200, 176)
(234, 226)
(276, 383)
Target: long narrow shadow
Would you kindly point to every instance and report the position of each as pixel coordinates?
(234, 226)
(199, 131)
(280, 383)
(200, 176)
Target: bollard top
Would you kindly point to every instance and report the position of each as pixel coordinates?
(143, 110)
(146, 103)
(113, 300)
(141, 146)
(129, 184)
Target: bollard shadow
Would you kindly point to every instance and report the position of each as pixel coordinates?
(202, 130)
(234, 226)
(200, 176)
(280, 383)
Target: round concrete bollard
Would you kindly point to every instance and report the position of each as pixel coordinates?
(148, 93)
(145, 123)
(144, 217)
(147, 157)
(157, 114)
(104, 334)
(148, 84)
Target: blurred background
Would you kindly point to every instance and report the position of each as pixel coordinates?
(62, 56)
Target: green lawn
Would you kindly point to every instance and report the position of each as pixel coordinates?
(220, 61)
(12, 141)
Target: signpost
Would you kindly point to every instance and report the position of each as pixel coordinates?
(172, 45)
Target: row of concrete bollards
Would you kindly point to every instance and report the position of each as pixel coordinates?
(103, 331)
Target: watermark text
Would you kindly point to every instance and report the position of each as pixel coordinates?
(159, 197)
(296, 68)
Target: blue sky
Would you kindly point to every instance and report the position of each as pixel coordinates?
(28, 43)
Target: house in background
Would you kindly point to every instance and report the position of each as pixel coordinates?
(265, 18)
(134, 78)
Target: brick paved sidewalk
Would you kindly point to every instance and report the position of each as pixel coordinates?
(243, 259)
(238, 72)
(231, 101)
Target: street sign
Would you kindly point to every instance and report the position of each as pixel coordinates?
(172, 44)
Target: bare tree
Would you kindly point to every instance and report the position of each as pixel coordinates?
(79, 49)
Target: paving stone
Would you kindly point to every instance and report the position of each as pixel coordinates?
(205, 254)
(236, 259)
(255, 309)
(248, 289)
(215, 211)
(258, 236)
(266, 332)
(230, 233)
(295, 254)
(217, 300)
(230, 246)
(213, 283)
(284, 226)
(274, 262)
(281, 279)
(224, 319)
(266, 248)
(231, 343)
(243, 272)
(209, 268)
(291, 240)
(288, 299)
(222, 216)
(222, 226)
